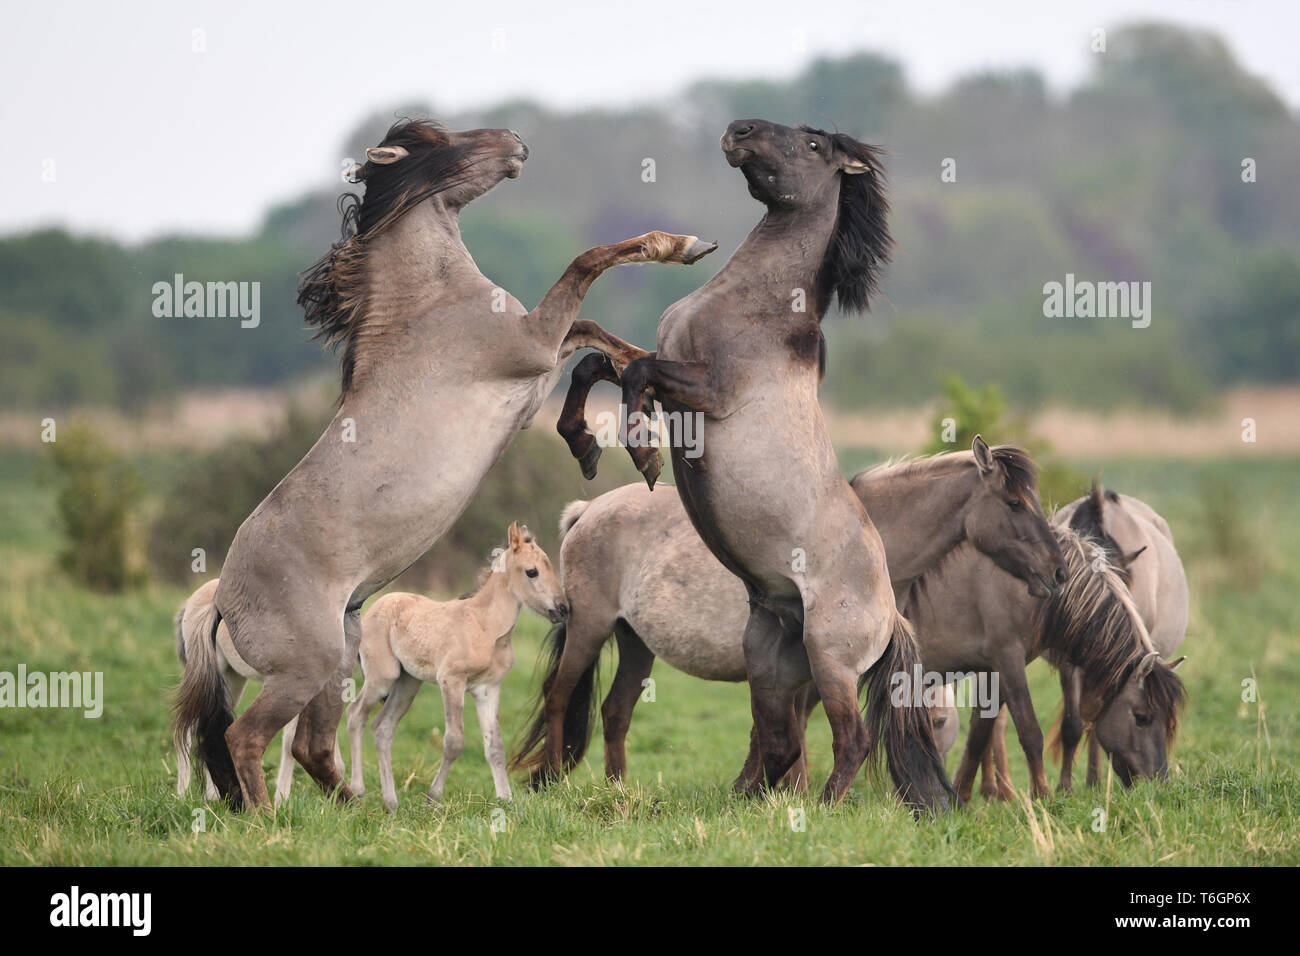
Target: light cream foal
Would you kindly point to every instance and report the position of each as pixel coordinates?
(408, 640)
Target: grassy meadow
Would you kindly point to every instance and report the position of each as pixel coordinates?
(101, 791)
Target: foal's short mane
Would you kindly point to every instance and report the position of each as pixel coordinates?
(333, 291)
(1093, 624)
(861, 243)
(1021, 470)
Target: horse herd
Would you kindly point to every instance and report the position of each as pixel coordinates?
(763, 564)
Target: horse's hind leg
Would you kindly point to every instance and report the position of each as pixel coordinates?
(316, 742)
(1021, 706)
(1095, 760)
(285, 780)
(403, 691)
(777, 667)
(635, 661)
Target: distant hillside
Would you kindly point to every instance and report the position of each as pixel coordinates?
(1136, 176)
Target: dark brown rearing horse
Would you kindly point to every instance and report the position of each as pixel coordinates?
(767, 495)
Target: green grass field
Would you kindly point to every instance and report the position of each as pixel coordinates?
(101, 791)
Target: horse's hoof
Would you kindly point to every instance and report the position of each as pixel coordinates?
(588, 461)
(697, 250)
(651, 467)
(390, 805)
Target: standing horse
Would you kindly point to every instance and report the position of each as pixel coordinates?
(974, 617)
(677, 602)
(440, 369)
(745, 352)
(464, 646)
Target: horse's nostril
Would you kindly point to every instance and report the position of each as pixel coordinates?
(741, 130)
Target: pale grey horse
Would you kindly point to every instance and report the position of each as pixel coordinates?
(441, 368)
(675, 600)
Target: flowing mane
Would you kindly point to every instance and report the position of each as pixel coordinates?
(1093, 624)
(333, 292)
(1021, 470)
(861, 243)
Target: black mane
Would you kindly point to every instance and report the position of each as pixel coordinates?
(861, 244)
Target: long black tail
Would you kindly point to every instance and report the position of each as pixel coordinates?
(579, 716)
(202, 705)
(903, 726)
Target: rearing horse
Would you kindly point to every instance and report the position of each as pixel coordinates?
(767, 495)
(441, 368)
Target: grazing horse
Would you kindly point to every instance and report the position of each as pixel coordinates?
(972, 616)
(464, 646)
(745, 354)
(441, 368)
(193, 624)
(677, 602)
(1138, 539)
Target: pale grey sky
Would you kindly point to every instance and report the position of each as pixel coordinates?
(148, 136)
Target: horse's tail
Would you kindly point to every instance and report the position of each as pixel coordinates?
(579, 716)
(570, 515)
(904, 726)
(202, 704)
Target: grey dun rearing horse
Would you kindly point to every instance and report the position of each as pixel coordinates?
(440, 369)
(767, 496)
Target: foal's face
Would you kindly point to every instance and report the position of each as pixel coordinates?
(1007, 524)
(532, 579)
(787, 167)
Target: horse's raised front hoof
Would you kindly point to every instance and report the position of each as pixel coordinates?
(696, 249)
(649, 462)
(588, 461)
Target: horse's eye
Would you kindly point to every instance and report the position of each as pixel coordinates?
(1143, 720)
(1015, 505)
(812, 144)
(531, 572)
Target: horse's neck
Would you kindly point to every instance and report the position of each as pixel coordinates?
(919, 517)
(782, 253)
(496, 605)
(417, 264)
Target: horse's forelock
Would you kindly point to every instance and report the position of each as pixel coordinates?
(861, 243)
(1164, 693)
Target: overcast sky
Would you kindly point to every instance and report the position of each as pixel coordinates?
(146, 135)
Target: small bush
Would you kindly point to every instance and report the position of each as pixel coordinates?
(95, 504)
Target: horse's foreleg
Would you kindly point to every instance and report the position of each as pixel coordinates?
(977, 744)
(1071, 725)
(556, 313)
(572, 425)
(684, 383)
(1016, 686)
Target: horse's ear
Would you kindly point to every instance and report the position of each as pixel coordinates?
(1127, 559)
(854, 166)
(1177, 663)
(983, 456)
(385, 155)
(514, 537)
(1144, 667)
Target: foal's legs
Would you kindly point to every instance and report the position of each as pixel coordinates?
(635, 661)
(487, 702)
(453, 736)
(1071, 724)
(399, 700)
